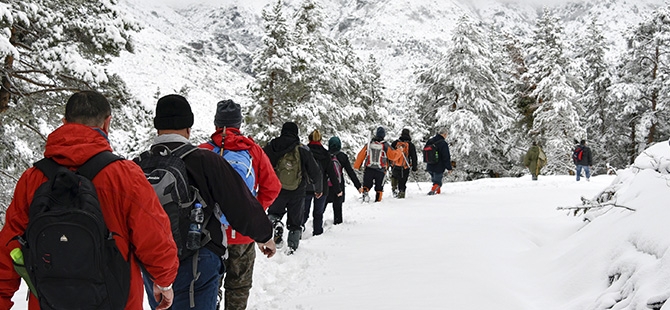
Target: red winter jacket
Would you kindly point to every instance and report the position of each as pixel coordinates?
(267, 182)
(128, 202)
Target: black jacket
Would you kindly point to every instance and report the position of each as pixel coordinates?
(219, 183)
(346, 166)
(443, 153)
(310, 169)
(587, 157)
(326, 167)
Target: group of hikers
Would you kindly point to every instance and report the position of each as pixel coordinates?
(87, 229)
(582, 157)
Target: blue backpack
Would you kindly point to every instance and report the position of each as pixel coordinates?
(241, 161)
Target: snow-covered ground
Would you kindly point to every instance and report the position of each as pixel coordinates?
(486, 244)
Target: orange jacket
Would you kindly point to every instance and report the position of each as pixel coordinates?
(128, 202)
(268, 185)
(389, 153)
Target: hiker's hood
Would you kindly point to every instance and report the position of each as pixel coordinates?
(280, 146)
(235, 141)
(318, 151)
(72, 144)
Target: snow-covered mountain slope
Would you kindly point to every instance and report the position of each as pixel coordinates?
(205, 46)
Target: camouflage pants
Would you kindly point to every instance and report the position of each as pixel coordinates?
(239, 275)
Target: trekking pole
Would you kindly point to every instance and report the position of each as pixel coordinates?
(417, 181)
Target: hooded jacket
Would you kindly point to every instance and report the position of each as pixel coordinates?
(334, 148)
(285, 143)
(129, 206)
(267, 183)
(325, 164)
(444, 155)
(219, 184)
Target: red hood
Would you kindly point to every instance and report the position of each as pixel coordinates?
(235, 141)
(73, 144)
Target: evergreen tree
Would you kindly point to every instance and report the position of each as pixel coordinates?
(470, 101)
(602, 127)
(308, 78)
(556, 122)
(642, 90)
(50, 49)
(275, 88)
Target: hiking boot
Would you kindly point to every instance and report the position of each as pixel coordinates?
(434, 190)
(279, 233)
(293, 240)
(378, 196)
(401, 195)
(395, 193)
(439, 190)
(365, 197)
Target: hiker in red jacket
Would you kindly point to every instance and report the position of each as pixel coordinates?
(241, 249)
(129, 205)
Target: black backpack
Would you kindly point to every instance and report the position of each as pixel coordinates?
(70, 255)
(166, 171)
(430, 154)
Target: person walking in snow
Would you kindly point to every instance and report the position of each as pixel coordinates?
(442, 162)
(401, 169)
(128, 203)
(329, 176)
(374, 157)
(583, 159)
(221, 187)
(227, 137)
(534, 160)
(335, 151)
(295, 166)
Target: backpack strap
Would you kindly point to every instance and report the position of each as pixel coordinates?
(49, 167)
(89, 169)
(96, 163)
(184, 149)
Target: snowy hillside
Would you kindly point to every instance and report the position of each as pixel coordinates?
(206, 46)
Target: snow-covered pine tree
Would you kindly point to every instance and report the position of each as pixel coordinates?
(642, 91)
(602, 127)
(556, 122)
(304, 76)
(273, 89)
(470, 101)
(50, 49)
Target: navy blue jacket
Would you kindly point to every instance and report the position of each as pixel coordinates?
(443, 154)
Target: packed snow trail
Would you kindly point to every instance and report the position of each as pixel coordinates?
(485, 244)
(468, 248)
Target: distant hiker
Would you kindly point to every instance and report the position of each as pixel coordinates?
(254, 166)
(131, 211)
(534, 160)
(374, 157)
(295, 166)
(340, 158)
(329, 176)
(436, 155)
(583, 159)
(223, 194)
(400, 171)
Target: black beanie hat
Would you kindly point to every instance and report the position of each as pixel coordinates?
(289, 128)
(228, 114)
(173, 112)
(405, 132)
(380, 133)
